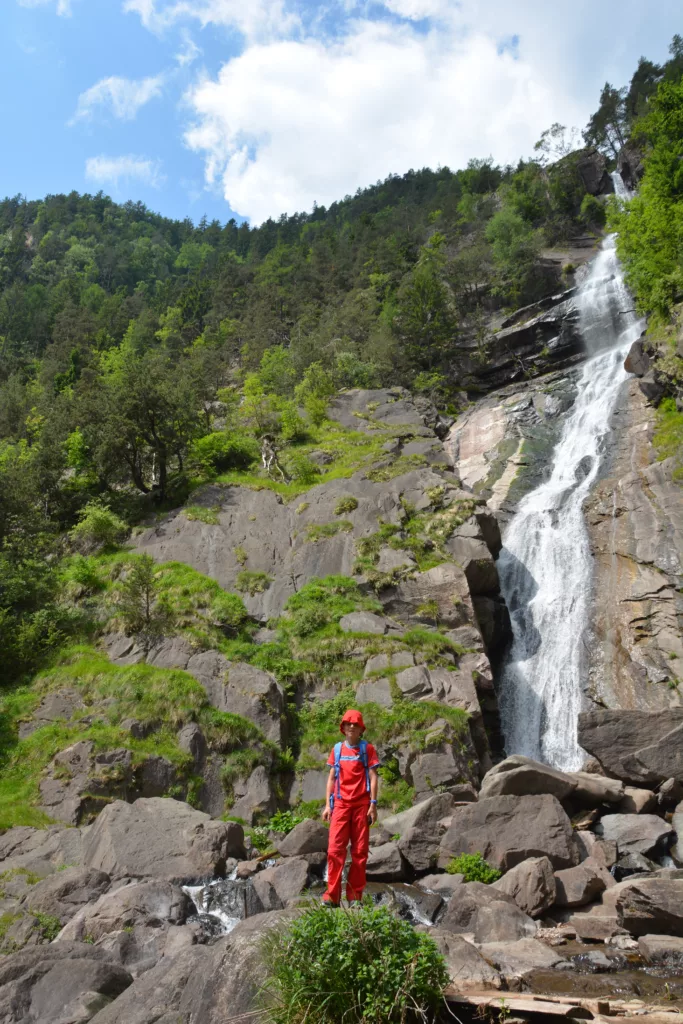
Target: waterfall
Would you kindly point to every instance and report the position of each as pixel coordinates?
(545, 566)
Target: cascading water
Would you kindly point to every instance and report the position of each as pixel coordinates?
(545, 566)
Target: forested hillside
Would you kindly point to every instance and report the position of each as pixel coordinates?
(141, 356)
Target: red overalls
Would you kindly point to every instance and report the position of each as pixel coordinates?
(349, 822)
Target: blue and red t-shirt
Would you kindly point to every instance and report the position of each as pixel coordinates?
(352, 781)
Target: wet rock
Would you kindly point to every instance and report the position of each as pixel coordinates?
(531, 885)
(468, 969)
(45, 984)
(632, 864)
(635, 833)
(443, 884)
(637, 801)
(277, 886)
(637, 361)
(579, 885)
(306, 837)
(662, 948)
(242, 690)
(256, 798)
(153, 904)
(63, 894)
(160, 838)
(591, 166)
(515, 960)
(363, 622)
(521, 776)
(386, 864)
(651, 905)
(507, 830)
(638, 747)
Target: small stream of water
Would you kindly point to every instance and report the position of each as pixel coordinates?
(546, 565)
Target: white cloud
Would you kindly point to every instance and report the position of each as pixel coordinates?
(189, 52)
(289, 122)
(254, 19)
(112, 170)
(123, 96)
(63, 6)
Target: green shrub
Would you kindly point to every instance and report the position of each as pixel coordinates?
(345, 505)
(220, 451)
(302, 469)
(593, 212)
(474, 868)
(202, 514)
(359, 966)
(284, 821)
(248, 582)
(228, 610)
(320, 531)
(292, 426)
(98, 525)
(47, 925)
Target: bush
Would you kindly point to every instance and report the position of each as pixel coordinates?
(342, 967)
(474, 868)
(98, 525)
(284, 821)
(292, 426)
(302, 469)
(345, 505)
(228, 610)
(593, 212)
(251, 583)
(219, 451)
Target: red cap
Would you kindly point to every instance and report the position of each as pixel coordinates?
(353, 718)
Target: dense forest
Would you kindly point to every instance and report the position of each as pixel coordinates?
(140, 356)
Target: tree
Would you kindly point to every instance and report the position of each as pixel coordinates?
(606, 128)
(556, 142)
(141, 608)
(425, 318)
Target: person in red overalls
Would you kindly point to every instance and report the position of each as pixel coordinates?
(351, 806)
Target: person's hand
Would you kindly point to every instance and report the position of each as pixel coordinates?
(327, 813)
(372, 814)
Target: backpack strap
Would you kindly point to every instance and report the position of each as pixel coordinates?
(337, 758)
(364, 762)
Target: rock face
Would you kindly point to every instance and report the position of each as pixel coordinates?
(531, 884)
(638, 747)
(636, 833)
(652, 905)
(507, 830)
(157, 838)
(635, 523)
(153, 904)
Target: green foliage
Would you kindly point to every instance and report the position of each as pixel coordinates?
(668, 435)
(593, 212)
(140, 605)
(345, 505)
(220, 451)
(98, 526)
(359, 966)
(474, 868)
(248, 582)
(202, 514)
(302, 469)
(47, 925)
(284, 821)
(321, 531)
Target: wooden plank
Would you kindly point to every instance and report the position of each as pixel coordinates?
(513, 1003)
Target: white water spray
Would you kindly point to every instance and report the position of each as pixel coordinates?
(546, 566)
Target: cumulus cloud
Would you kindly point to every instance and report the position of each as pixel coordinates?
(113, 170)
(293, 121)
(254, 19)
(122, 96)
(63, 7)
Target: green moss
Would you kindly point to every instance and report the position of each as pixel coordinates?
(345, 505)
(47, 925)
(403, 464)
(202, 514)
(668, 435)
(248, 582)
(321, 531)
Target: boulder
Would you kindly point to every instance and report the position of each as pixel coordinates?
(531, 885)
(451, 763)
(651, 905)
(601, 851)
(375, 691)
(41, 851)
(420, 849)
(677, 825)
(635, 833)
(476, 561)
(311, 785)
(363, 622)
(171, 652)
(59, 983)
(638, 747)
(467, 968)
(63, 894)
(160, 838)
(486, 912)
(276, 886)
(414, 682)
(306, 837)
(521, 776)
(256, 797)
(444, 885)
(153, 904)
(593, 790)
(381, 662)
(632, 864)
(441, 584)
(424, 815)
(191, 739)
(502, 922)
(59, 705)
(637, 360)
(658, 948)
(507, 830)
(637, 801)
(579, 885)
(386, 864)
(515, 960)
(670, 793)
(138, 948)
(242, 690)
(78, 780)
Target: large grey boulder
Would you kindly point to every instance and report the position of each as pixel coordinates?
(424, 815)
(139, 947)
(507, 830)
(59, 983)
(443, 584)
(522, 776)
(256, 797)
(420, 849)
(306, 837)
(579, 885)
(531, 885)
(594, 790)
(153, 904)
(502, 922)
(385, 864)
(651, 905)
(638, 747)
(442, 884)
(363, 622)
(515, 960)
(658, 948)
(276, 886)
(41, 851)
(242, 690)
(467, 968)
(63, 894)
(160, 838)
(203, 984)
(635, 833)
(488, 913)
(450, 763)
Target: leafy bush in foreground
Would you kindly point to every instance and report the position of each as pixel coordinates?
(363, 965)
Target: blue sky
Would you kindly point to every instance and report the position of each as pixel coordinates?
(257, 107)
